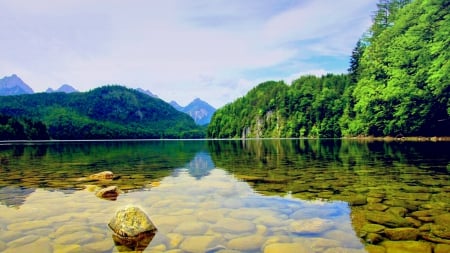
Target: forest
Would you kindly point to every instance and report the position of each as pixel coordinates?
(13, 128)
(398, 84)
(109, 112)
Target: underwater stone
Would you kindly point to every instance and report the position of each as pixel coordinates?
(131, 221)
(397, 234)
(132, 228)
(102, 175)
(109, 193)
(387, 219)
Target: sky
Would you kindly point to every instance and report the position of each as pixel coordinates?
(215, 50)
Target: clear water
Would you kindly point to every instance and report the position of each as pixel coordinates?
(225, 196)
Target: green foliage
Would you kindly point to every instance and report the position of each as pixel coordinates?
(12, 128)
(310, 107)
(404, 85)
(110, 112)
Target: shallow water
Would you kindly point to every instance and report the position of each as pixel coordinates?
(228, 196)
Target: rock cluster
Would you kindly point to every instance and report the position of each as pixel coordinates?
(406, 222)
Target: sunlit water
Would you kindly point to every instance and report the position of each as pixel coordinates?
(227, 196)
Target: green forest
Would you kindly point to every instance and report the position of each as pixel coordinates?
(109, 112)
(398, 84)
(13, 128)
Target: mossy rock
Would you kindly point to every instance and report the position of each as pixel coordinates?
(131, 221)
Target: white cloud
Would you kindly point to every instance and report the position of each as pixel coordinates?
(169, 47)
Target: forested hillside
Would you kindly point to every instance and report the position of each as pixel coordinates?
(311, 106)
(398, 84)
(109, 112)
(12, 128)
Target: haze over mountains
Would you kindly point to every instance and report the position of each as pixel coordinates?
(13, 85)
(64, 88)
(198, 109)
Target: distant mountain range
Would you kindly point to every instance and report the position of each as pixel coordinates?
(198, 109)
(64, 88)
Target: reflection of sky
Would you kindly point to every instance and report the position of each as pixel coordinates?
(200, 165)
(14, 196)
(216, 202)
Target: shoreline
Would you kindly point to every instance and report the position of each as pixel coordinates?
(356, 138)
(401, 139)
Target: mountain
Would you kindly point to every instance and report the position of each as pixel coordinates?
(176, 105)
(147, 92)
(13, 85)
(108, 112)
(64, 88)
(198, 109)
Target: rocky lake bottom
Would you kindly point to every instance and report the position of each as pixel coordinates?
(219, 202)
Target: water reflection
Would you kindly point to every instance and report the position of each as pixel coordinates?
(201, 165)
(60, 166)
(250, 195)
(138, 244)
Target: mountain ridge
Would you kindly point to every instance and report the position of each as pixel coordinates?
(107, 112)
(66, 88)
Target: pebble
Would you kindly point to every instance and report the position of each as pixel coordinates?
(191, 228)
(246, 243)
(198, 243)
(230, 225)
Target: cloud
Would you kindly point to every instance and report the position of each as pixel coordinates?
(169, 47)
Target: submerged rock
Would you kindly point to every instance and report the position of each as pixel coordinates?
(407, 247)
(109, 193)
(387, 219)
(102, 175)
(132, 229)
(404, 234)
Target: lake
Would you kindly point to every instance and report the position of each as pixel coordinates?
(229, 195)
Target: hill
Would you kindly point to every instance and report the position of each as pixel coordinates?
(310, 107)
(109, 112)
(13, 85)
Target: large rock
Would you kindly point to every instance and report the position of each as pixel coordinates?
(132, 228)
(387, 219)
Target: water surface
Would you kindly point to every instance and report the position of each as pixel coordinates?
(228, 196)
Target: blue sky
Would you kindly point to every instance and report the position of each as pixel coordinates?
(216, 50)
